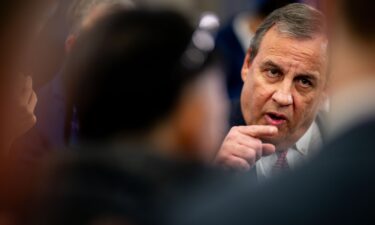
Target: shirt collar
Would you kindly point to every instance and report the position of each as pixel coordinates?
(302, 145)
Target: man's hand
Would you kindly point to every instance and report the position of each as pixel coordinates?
(25, 108)
(242, 147)
(21, 116)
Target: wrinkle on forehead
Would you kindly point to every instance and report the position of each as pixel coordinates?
(294, 65)
(308, 55)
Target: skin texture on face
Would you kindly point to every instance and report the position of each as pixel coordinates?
(284, 86)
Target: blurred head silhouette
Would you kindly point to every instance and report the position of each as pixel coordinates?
(18, 20)
(352, 55)
(149, 77)
(60, 30)
(140, 76)
(353, 38)
(83, 14)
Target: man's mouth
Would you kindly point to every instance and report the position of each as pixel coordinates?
(275, 119)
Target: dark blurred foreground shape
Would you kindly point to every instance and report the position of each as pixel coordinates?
(338, 187)
(18, 20)
(141, 148)
(56, 128)
(18, 28)
(49, 46)
(128, 184)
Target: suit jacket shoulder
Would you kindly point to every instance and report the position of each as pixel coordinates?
(337, 187)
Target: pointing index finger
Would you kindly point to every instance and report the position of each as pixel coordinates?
(258, 130)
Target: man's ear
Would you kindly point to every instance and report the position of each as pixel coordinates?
(70, 42)
(246, 66)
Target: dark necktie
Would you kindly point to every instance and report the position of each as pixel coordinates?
(281, 163)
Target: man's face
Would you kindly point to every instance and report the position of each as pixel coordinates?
(284, 85)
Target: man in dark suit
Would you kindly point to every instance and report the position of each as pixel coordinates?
(275, 126)
(338, 186)
(234, 38)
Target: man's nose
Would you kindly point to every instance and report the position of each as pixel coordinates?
(283, 98)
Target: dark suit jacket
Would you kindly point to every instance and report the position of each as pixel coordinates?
(233, 55)
(125, 181)
(337, 187)
(236, 119)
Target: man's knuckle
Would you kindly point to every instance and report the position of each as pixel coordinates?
(233, 129)
(257, 144)
(229, 137)
(251, 154)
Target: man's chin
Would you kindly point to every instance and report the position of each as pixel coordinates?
(271, 140)
(277, 141)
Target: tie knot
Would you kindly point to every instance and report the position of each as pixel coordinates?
(282, 154)
(281, 162)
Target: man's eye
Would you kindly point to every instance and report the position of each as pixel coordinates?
(305, 82)
(273, 72)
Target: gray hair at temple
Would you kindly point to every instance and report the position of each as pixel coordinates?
(295, 20)
(80, 9)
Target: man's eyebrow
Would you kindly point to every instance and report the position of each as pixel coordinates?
(311, 76)
(269, 63)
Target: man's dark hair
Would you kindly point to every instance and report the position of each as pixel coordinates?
(296, 20)
(130, 73)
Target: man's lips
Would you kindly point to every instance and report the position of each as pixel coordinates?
(275, 119)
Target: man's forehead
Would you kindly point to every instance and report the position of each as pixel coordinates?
(276, 40)
(310, 53)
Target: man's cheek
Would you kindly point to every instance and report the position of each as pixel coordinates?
(258, 105)
(303, 111)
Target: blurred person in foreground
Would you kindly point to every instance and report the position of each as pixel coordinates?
(55, 127)
(234, 38)
(18, 25)
(140, 146)
(48, 52)
(277, 125)
(338, 186)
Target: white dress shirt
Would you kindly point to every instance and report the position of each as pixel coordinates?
(305, 147)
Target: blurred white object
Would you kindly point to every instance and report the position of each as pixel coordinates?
(209, 20)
